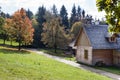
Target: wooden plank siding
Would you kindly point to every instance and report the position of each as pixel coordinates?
(83, 44)
(105, 55)
(116, 58)
(80, 56)
(82, 39)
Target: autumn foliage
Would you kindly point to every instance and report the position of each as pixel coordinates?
(23, 27)
(18, 28)
(8, 30)
(53, 35)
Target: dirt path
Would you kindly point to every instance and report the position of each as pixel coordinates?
(101, 72)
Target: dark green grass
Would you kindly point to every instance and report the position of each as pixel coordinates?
(24, 65)
(112, 69)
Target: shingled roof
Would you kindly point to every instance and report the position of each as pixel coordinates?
(97, 36)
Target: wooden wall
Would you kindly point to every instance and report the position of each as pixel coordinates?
(83, 39)
(82, 44)
(116, 58)
(105, 55)
(80, 54)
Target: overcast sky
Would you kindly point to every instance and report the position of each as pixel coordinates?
(10, 6)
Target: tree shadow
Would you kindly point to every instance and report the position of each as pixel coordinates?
(13, 51)
(10, 46)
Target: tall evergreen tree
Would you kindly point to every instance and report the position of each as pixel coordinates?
(7, 15)
(83, 13)
(64, 17)
(3, 14)
(0, 9)
(29, 14)
(54, 11)
(40, 15)
(74, 10)
(38, 29)
(79, 13)
(73, 16)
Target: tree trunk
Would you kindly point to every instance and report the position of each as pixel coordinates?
(4, 37)
(19, 44)
(11, 42)
(4, 41)
(25, 44)
(55, 47)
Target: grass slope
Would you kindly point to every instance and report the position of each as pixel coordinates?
(25, 65)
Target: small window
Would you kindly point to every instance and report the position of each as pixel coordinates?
(112, 39)
(86, 54)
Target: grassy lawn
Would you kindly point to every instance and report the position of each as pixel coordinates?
(60, 53)
(25, 65)
(111, 69)
(8, 42)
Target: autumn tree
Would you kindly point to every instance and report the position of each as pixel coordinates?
(28, 32)
(23, 27)
(112, 10)
(8, 30)
(36, 35)
(3, 14)
(76, 28)
(54, 35)
(48, 16)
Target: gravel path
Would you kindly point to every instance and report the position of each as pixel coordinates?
(108, 74)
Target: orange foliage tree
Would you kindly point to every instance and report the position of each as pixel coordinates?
(22, 27)
(8, 29)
